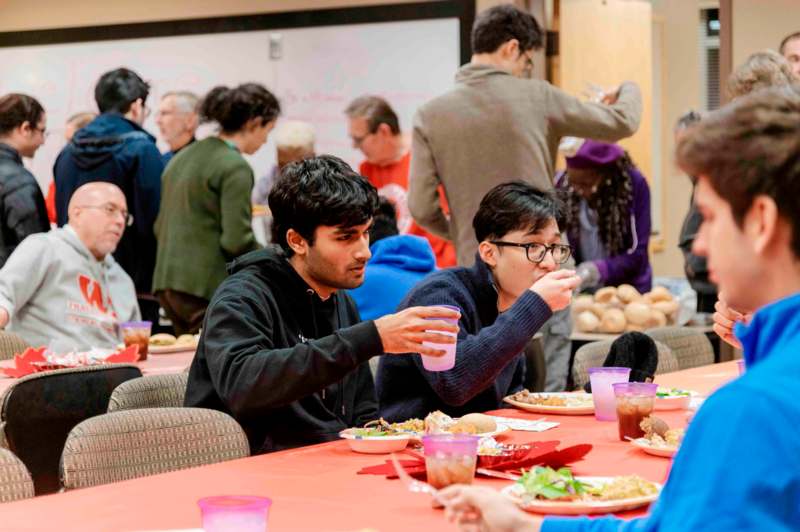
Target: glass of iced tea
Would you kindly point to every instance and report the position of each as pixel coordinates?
(450, 458)
(635, 401)
(136, 333)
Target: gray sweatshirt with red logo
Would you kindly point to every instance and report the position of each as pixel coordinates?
(54, 289)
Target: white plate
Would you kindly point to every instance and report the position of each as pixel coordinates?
(515, 491)
(175, 348)
(656, 450)
(678, 402)
(548, 409)
(375, 444)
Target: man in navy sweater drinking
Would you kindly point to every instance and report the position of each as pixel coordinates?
(510, 292)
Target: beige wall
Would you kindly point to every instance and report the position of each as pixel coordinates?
(18, 15)
(761, 24)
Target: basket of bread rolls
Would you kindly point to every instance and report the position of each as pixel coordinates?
(618, 309)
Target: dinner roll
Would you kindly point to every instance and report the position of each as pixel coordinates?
(185, 339)
(587, 321)
(604, 295)
(656, 319)
(637, 313)
(669, 308)
(598, 309)
(162, 339)
(659, 293)
(582, 303)
(613, 321)
(481, 422)
(628, 293)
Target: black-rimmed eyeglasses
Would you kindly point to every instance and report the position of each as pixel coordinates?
(536, 252)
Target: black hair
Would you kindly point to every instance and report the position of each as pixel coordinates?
(16, 109)
(118, 89)
(751, 148)
(376, 111)
(611, 201)
(232, 108)
(785, 41)
(500, 24)
(321, 190)
(384, 224)
(687, 120)
(515, 206)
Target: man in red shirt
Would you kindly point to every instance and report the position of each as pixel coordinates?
(375, 130)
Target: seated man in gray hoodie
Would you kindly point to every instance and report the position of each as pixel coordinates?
(64, 285)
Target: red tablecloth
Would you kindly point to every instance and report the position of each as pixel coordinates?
(316, 488)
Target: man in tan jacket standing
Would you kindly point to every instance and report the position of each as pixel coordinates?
(497, 125)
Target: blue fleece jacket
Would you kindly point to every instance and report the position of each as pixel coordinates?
(739, 465)
(489, 359)
(113, 149)
(397, 264)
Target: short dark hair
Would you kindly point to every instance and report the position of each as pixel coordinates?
(321, 190)
(376, 111)
(384, 224)
(515, 206)
(16, 109)
(118, 89)
(751, 148)
(785, 41)
(500, 24)
(233, 107)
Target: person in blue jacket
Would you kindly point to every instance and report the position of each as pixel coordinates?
(738, 467)
(115, 148)
(398, 263)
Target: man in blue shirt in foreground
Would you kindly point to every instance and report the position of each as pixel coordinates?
(739, 465)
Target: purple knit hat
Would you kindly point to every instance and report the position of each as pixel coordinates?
(593, 153)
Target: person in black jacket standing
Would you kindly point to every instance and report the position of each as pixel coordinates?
(282, 348)
(22, 209)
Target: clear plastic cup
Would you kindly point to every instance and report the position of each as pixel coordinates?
(635, 401)
(605, 408)
(239, 513)
(448, 360)
(137, 333)
(450, 458)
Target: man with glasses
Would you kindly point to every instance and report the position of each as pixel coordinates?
(22, 206)
(64, 285)
(116, 149)
(505, 297)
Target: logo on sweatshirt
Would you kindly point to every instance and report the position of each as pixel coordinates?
(93, 294)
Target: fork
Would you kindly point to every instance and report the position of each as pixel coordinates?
(414, 485)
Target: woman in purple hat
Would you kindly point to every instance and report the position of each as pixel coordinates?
(608, 216)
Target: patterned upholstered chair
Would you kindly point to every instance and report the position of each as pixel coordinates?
(594, 354)
(691, 348)
(10, 344)
(150, 391)
(136, 443)
(39, 410)
(15, 481)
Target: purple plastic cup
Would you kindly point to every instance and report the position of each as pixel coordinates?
(605, 408)
(448, 360)
(240, 513)
(635, 401)
(450, 458)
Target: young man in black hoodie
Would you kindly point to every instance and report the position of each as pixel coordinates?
(282, 350)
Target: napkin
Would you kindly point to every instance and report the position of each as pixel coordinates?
(33, 359)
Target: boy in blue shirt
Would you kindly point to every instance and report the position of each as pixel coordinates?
(739, 465)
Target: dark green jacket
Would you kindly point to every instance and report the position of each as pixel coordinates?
(205, 217)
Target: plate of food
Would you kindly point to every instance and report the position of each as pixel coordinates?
(375, 440)
(564, 403)
(165, 343)
(658, 439)
(673, 398)
(547, 491)
(477, 424)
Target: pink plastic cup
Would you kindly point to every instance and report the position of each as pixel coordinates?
(740, 365)
(450, 458)
(239, 513)
(448, 360)
(605, 406)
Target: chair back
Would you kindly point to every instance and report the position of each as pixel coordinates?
(15, 481)
(39, 410)
(150, 391)
(691, 348)
(11, 344)
(135, 443)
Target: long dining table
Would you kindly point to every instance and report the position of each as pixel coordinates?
(317, 487)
